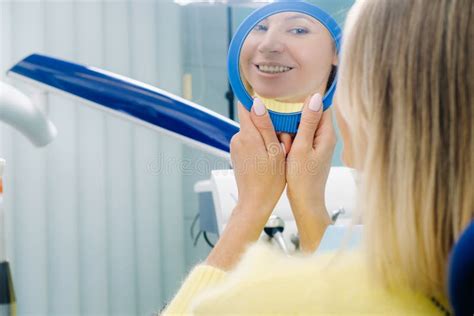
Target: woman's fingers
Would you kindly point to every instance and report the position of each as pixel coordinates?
(286, 140)
(325, 134)
(261, 120)
(249, 133)
(246, 124)
(310, 119)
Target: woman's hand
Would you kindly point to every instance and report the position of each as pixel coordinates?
(307, 170)
(258, 160)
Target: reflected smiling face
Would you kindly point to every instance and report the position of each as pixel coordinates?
(287, 57)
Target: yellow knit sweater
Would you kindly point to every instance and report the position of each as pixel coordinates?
(266, 282)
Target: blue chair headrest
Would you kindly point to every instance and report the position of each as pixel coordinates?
(461, 274)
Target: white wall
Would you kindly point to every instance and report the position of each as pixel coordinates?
(92, 228)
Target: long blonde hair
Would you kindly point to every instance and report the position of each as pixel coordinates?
(406, 89)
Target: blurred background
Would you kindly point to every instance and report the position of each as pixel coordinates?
(99, 221)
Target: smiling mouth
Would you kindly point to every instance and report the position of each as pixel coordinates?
(273, 69)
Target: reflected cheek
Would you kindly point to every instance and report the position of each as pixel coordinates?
(246, 69)
(245, 55)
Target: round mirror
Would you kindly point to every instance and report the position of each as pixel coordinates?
(283, 53)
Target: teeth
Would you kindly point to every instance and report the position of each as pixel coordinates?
(273, 69)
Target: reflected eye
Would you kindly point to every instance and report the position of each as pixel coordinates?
(260, 28)
(299, 31)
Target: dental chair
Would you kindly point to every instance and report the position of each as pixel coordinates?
(461, 274)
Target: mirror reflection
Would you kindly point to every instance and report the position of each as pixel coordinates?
(287, 57)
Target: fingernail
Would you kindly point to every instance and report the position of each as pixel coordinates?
(259, 107)
(315, 103)
(284, 149)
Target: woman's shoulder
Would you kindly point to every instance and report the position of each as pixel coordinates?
(267, 282)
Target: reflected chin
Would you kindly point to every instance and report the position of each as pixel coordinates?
(265, 94)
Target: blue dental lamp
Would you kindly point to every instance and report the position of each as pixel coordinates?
(131, 100)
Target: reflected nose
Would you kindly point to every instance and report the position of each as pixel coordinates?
(271, 43)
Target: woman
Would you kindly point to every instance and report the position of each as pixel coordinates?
(405, 109)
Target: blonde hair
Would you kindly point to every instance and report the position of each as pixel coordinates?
(406, 88)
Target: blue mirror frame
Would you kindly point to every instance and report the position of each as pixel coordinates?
(283, 122)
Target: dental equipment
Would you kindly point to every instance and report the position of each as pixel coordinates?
(18, 111)
(217, 197)
(7, 292)
(274, 229)
(131, 100)
(335, 214)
